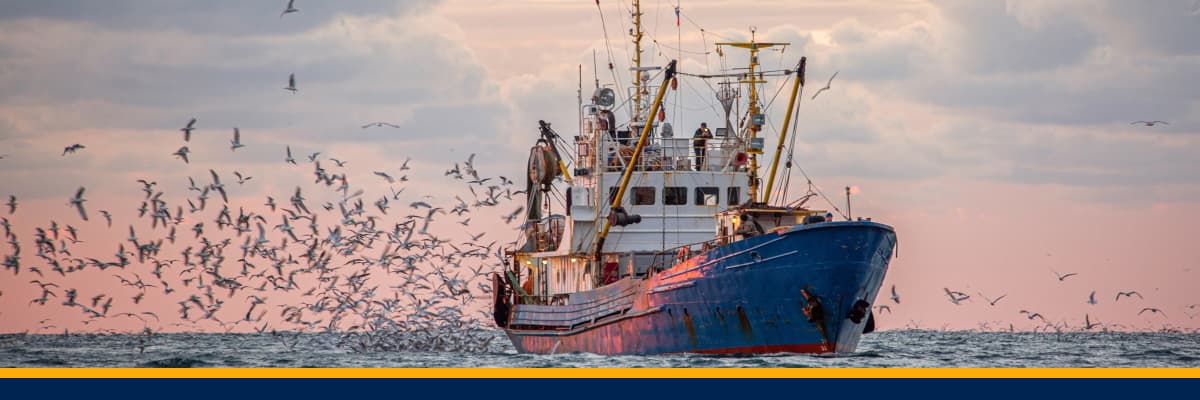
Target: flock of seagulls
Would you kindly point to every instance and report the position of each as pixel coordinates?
(406, 296)
(381, 277)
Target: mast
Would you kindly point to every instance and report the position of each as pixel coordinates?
(787, 118)
(636, 32)
(579, 100)
(753, 78)
(617, 215)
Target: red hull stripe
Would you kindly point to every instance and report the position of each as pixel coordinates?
(776, 348)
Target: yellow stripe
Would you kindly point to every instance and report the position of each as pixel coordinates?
(601, 373)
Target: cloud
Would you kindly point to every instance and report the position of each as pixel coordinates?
(125, 93)
(219, 17)
(992, 38)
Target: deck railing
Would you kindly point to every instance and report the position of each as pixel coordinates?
(670, 154)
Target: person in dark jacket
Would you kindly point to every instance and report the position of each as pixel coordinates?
(700, 144)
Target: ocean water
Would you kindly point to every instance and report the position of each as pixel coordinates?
(911, 348)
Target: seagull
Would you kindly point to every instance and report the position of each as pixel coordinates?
(956, 297)
(1032, 315)
(1092, 298)
(883, 307)
(386, 177)
(242, 179)
(993, 302)
(78, 200)
(12, 204)
(291, 83)
(72, 149)
(1127, 294)
(895, 297)
(290, 8)
(404, 166)
(1152, 309)
(289, 158)
(1149, 123)
(237, 140)
(218, 186)
(379, 125)
(182, 153)
(187, 130)
(107, 217)
(1087, 323)
(826, 86)
(1063, 276)
(513, 215)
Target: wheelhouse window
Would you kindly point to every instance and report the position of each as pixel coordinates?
(733, 196)
(643, 195)
(675, 196)
(707, 196)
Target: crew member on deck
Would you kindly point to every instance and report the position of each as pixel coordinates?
(749, 227)
(700, 144)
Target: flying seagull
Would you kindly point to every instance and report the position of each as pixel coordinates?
(77, 201)
(218, 186)
(380, 125)
(12, 204)
(1152, 309)
(291, 83)
(386, 177)
(1127, 294)
(1149, 123)
(289, 158)
(1092, 298)
(826, 86)
(1087, 323)
(187, 130)
(895, 297)
(956, 297)
(237, 140)
(991, 301)
(72, 149)
(182, 153)
(290, 8)
(1032, 315)
(1062, 277)
(241, 179)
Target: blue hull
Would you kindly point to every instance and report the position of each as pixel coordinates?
(802, 290)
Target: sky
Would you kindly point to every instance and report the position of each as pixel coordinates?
(995, 137)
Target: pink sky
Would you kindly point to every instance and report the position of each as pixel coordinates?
(995, 137)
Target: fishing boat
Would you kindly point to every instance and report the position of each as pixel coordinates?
(657, 247)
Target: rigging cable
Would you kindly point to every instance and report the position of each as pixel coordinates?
(608, 45)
